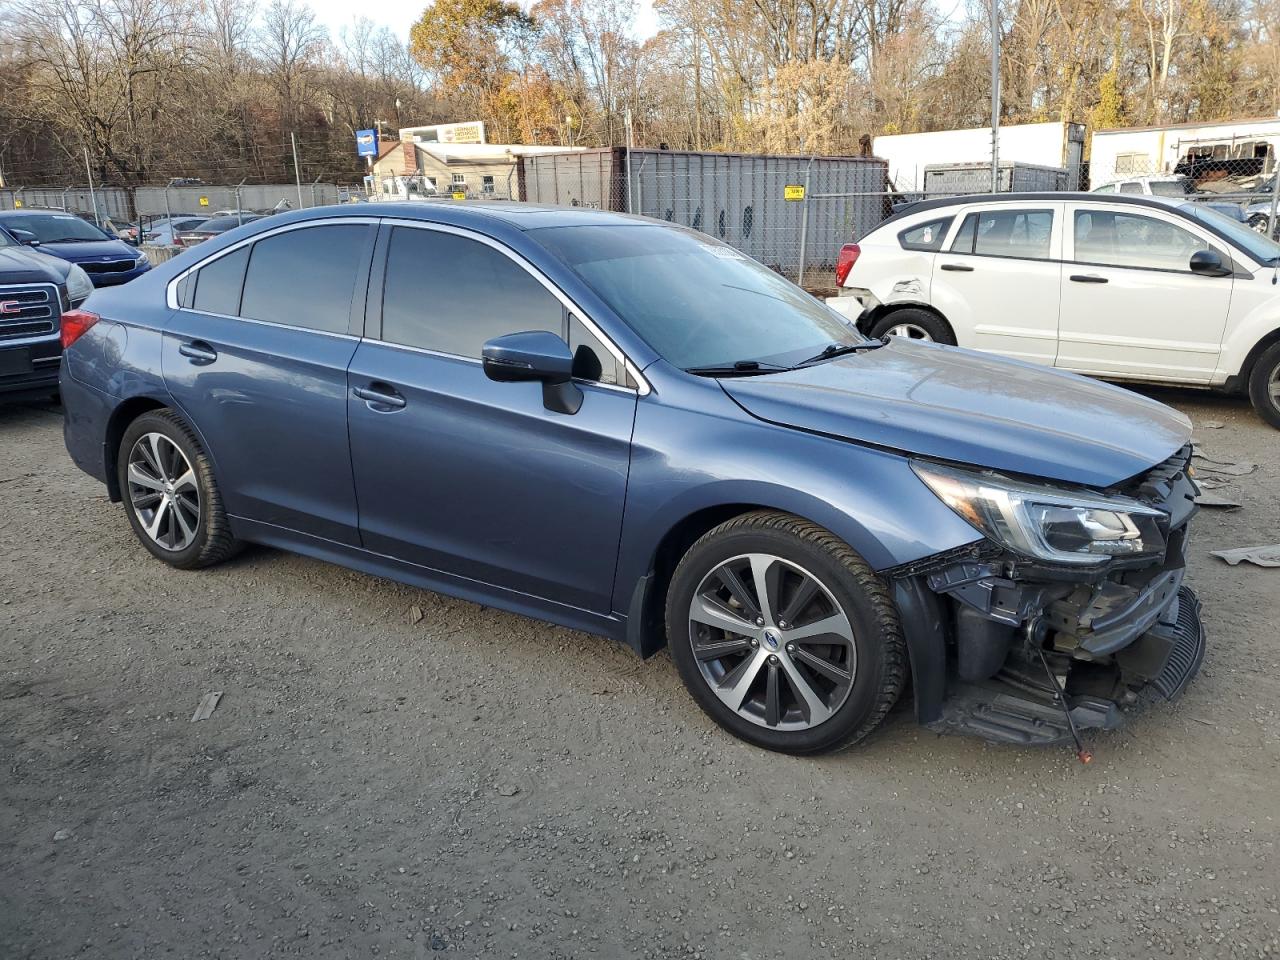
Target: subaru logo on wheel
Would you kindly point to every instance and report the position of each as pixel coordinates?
(772, 640)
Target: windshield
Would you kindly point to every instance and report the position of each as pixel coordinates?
(696, 301)
(1258, 246)
(1170, 188)
(53, 227)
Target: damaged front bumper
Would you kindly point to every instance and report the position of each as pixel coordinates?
(1026, 643)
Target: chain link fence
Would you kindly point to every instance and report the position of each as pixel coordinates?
(132, 204)
(1244, 187)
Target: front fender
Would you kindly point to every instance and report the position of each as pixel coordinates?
(694, 453)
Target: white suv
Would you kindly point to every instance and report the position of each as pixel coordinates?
(1133, 288)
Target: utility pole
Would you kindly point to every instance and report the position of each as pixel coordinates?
(297, 171)
(93, 198)
(995, 96)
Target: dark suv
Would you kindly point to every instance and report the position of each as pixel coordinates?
(35, 290)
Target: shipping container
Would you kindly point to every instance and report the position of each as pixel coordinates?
(950, 179)
(792, 213)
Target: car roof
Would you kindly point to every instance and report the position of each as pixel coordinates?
(475, 213)
(914, 207)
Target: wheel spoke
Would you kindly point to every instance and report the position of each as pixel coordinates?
(142, 478)
(1273, 388)
(772, 697)
(825, 667)
(153, 528)
(766, 572)
(185, 482)
(733, 688)
(188, 528)
(804, 594)
(157, 456)
(733, 583)
(836, 625)
(811, 704)
(716, 615)
(721, 648)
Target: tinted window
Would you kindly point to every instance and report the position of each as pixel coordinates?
(219, 284)
(1006, 233)
(304, 278)
(926, 236)
(695, 300)
(1130, 188)
(52, 227)
(451, 294)
(1129, 240)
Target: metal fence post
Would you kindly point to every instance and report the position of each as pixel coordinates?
(1274, 220)
(804, 224)
(64, 198)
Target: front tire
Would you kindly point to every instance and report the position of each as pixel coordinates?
(912, 323)
(169, 493)
(1264, 385)
(784, 635)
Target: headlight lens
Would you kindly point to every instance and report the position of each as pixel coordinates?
(1042, 522)
(142, 261)
(79, 285)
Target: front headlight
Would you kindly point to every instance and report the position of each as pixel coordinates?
(79, 285)
(142, 261)
(1046, 523)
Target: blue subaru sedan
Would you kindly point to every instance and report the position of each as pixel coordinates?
(626, 427)
(107, 259)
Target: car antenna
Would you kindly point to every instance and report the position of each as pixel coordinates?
(1084, 755)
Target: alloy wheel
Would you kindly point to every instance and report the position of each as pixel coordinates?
(910, 331)
(772, 642)
(1273, 386)
(163, 491)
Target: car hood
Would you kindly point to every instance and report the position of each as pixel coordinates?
(90, 250)
(972, 408)
(24, 265)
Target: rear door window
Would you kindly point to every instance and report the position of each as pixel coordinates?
(305, 278)
(1023, 234)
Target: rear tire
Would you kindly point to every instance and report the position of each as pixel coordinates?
(1264, 385)
(169, 493)
(813, 667)
(912, 323)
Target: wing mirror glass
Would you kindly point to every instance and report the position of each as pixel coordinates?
(1208, 263)
(536, 355)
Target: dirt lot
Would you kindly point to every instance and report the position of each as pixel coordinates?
(480, 784)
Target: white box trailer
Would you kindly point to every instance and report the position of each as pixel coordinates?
(1039, 144)
(1205, 152)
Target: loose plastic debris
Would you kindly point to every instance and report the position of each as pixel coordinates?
(208, 703)
(1268, 556)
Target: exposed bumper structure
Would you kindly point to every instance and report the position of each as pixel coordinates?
(1026, 643)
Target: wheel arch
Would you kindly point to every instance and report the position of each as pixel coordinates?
(124, 414)
(1240, 381)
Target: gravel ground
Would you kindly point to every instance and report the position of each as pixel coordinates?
(481, 784)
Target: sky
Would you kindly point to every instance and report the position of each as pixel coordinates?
(399, 15)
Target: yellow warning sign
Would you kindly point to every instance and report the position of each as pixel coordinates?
(204, 201)
(793, 191)
(459, 195)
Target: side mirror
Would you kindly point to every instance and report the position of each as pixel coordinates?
(1207, 263)
(537, 355)
(25, 237)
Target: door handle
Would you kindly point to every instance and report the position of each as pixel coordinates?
(1088, 278)
(957, 267)
(198, 352)
(380, 397)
